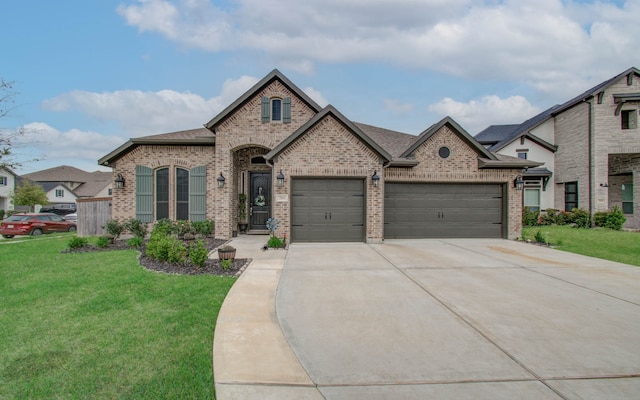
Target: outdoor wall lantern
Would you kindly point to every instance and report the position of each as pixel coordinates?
(220, 181)
(118, 183)
(375, 178)
(518, 183)
(280, 179)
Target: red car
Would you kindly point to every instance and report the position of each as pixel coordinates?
(35, 224)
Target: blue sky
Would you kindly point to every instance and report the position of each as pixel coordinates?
(92, 74)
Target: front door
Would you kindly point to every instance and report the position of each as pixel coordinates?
(260, 200)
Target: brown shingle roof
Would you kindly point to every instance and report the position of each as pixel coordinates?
(63, 173)
(392, 141)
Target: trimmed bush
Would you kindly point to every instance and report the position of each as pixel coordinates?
(135, 242)
(114, 228)
(103, 241)
(580, 218)
(136, 227)
(198, 254)
(76, 242)
(203, 228)
(529, 217)
(613, 219)
(275, 242)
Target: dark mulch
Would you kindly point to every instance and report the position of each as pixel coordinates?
(212, 265)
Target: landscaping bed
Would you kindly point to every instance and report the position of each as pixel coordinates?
(212, 265)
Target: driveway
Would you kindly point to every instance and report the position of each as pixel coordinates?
(461, 319)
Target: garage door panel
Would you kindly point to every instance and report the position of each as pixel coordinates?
(443, 210)
(327, 210)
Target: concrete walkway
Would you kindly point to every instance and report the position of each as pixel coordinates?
(428, 319)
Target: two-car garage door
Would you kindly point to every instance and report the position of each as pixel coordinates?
(333, 210)
(443, 210)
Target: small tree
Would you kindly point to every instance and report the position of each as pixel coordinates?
(9, 138)
(28, 194)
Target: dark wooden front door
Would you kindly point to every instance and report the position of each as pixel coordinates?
(260, 200)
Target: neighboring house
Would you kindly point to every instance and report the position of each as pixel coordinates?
(65, 184)
(324, 177)
(590, 145)
(7, 186)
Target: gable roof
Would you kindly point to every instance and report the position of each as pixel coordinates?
(329, 110)
(392, 141)
(191, 137)
(595, 90)
(457, 129)
(499, 136)
(264, 82)
(62, 173)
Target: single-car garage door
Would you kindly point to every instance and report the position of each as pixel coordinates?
(442, 210)
(327, 210)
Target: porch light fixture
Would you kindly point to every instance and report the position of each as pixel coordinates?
(118, 183)
(220, 181)
(518, 183)
(375, 178)
(280, 179)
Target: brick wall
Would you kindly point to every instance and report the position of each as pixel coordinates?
(460, 166)
(124, 200)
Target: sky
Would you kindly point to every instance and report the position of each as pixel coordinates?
(90, 75)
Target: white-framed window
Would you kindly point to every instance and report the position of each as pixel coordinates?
(59, 193)
(531, 198)
(627, 198)
(3, 181)
(628, 119)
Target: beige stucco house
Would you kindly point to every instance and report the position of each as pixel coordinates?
(590, 147)
(323, 176)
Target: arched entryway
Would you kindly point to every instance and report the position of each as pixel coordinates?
(252, 189)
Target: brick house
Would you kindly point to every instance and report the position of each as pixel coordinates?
(590, 146)
(324, 177)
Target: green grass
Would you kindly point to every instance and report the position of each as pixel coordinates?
(602, 243)
(98, 325)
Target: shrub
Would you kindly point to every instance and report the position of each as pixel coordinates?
(136, 227)
(184, 227)
(549, 217)
(1, 213)
(203, 228)
(226, 264)
(275, 242)
(613, 219)
(529, 218)
(103, 241)
(540, 237)
(581, 218)
(177, 251)
(113, 228)
(563, 218)
(76, 242)
(158, 247)
(198, 254)
(135, 242)
(165, 226)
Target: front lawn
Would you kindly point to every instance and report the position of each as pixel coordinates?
(98, 325)
(602, 243)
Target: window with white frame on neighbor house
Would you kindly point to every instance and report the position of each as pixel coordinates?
(531, 199)
(627, 198)
(629, 119)
(3, 181)
(59, 193)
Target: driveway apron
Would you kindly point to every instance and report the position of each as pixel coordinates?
(460, 319)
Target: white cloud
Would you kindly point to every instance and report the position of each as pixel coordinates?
(143, 113)
(555, 46)
(81, 149)
(316, 96)
(476, 115)
(397, 107)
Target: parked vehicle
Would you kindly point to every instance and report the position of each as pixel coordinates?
(71, 217)
(60, 209)
(35, 224)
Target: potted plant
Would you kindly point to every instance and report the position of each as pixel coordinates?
(226, 252)
(242, 213)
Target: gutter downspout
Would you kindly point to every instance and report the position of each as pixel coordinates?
(590, 147)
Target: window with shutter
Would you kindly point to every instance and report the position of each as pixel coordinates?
(198, 194)
(144, 193)
(286, 110)
(266, 109)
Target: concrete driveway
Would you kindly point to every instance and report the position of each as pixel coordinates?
(415, 319)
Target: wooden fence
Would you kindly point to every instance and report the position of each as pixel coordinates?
(92, 215)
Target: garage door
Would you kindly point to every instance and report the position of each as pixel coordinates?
(327, 210)
(443, 211)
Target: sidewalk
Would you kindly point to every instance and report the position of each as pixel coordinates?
(251, 357)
